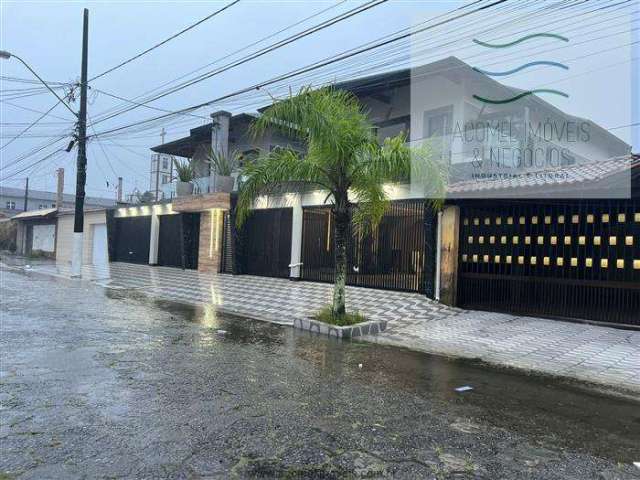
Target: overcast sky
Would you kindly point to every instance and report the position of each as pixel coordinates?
(48, 36)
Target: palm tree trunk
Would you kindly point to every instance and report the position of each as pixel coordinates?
(341, 232)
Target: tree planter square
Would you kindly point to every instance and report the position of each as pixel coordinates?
(370, 327)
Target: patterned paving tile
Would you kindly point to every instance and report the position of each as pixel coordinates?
(587, 352)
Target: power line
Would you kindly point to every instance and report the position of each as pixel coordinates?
(316, 65)
(142, 104)
(252, 44)
(25, 130)
(327, 23)
(31, 165)
(33, 151)
(35, 111)
(8, 78)
(184, 30)
(103, 152)
(331, 60)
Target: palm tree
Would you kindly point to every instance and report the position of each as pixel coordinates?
(343, 157)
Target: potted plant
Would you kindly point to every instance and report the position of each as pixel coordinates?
(184, 185)
(223, 165)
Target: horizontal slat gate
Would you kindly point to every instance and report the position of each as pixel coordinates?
(391, 257)
(574, 259)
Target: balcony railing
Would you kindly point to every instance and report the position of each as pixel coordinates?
(202, 185)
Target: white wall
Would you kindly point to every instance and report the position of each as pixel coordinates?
(43, 238)
(64, 240)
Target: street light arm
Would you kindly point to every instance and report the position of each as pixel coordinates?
(6, 55)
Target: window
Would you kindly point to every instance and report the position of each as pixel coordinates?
(53, 205)
(165, 164)
(438, 126)
(41, 206)
(165, 179)
(11, 205)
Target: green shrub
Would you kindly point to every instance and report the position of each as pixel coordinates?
(327, 315)
(8, 236)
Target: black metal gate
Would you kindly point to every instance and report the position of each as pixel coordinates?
(190, 239)
(169, 241)
(267, 242)
(226, 262)
(576, 259)
(131, 238)
(179, 235)
(391, 257)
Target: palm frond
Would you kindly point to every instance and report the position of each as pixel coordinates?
(271, 170)
(429, 174)
(331, 118)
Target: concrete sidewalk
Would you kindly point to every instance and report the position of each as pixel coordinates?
(602, 355)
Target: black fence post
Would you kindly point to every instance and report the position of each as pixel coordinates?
(111, 233)
(237, 238)
(430, 246)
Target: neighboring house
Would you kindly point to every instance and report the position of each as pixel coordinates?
(12, 200)
(509, 245)
(436, 102)
(49, 233)
(160, 175)
(36, 232)
(94, 250)
(227, 133)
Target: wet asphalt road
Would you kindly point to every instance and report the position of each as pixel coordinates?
(108, 384)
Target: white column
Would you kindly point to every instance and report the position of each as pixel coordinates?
(76, 257)
(296, 239)
(155, 236)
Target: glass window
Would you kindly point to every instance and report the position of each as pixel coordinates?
(438, 126)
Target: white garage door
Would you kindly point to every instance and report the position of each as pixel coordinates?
(99, 249)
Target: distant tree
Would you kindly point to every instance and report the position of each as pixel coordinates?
(146, 197)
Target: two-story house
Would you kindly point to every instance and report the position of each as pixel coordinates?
(529, 246)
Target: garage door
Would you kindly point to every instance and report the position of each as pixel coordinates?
(391, 257)
(267, 235)
(179, 234)
(576, 259)
(99, 247)
(132, 239)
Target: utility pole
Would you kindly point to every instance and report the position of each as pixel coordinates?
(60, 190)
(81, 174)
(119, 189)
(26, 194)
(158, 155)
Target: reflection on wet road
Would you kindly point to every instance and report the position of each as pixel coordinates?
(101, 383)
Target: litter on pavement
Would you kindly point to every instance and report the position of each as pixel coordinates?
(464, 388)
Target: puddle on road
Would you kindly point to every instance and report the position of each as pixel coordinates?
(577, 417)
